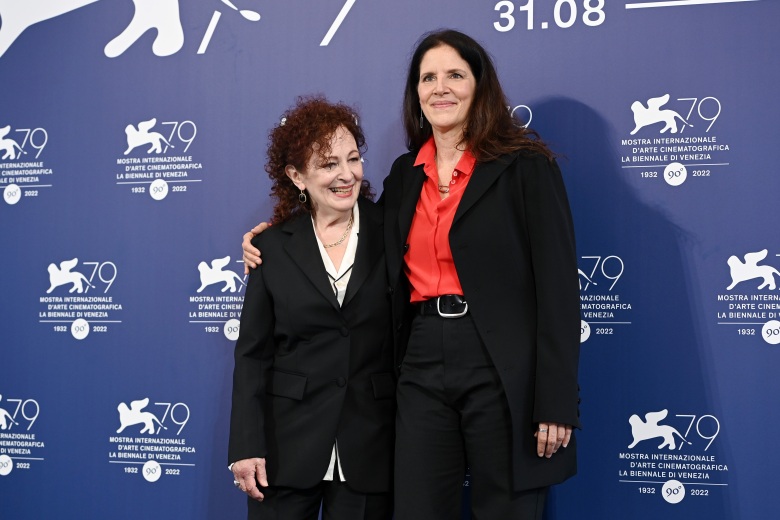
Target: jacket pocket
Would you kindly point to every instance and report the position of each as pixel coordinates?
(384, 385)
(285, 384)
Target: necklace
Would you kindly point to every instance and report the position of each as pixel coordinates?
(343, 237)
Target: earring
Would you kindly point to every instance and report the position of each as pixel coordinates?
(302, 197)
(421, 118)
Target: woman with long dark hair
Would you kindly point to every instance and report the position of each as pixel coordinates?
(482, 266)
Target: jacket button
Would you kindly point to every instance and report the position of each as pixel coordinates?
(341, 382)
(390, 290)
(406, 248)
(344, 331)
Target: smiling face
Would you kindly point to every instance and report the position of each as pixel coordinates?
(333, 181)
(446, 89)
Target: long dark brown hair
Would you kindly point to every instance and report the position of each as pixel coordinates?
(490, 129)
(306, 127)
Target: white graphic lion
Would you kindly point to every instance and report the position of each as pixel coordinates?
(160, 15)
(5, 415)
(649, 429)
(134, 415)
(63, 275)
(210, 275)
(142, 136)
(8, 146)
(215, 274)
(749, 269)
(653, 114)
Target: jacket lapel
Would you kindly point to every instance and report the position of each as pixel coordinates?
(482, 178)
(369, 248)
(302, 248)
(412, 186)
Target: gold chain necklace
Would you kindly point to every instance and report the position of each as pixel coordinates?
(343, 237)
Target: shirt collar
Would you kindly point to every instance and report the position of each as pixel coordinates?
(349, 254)
(427, 157)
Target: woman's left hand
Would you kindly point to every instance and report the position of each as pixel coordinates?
(550, 437)
(250, 477)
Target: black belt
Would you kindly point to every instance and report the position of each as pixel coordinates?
(446, 306)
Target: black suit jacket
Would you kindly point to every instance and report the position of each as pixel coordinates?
(512, 242)
(308, 372)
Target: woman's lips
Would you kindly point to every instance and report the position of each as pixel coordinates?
(342, 190)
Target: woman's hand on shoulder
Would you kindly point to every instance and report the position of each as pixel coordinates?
(251, 253)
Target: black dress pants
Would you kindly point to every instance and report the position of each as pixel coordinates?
(452, 413)
(338, 501)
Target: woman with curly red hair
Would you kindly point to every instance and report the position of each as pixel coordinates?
(313, 407)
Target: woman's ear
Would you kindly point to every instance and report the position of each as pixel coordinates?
(295, 176)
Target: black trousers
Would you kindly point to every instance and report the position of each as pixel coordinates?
(453, 414)
(338, 501)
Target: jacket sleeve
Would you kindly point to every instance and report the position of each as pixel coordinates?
(554, 264)
(253, 356)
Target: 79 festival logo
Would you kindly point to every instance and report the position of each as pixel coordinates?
(151, 437)
(670, 456)
(674, 138)
(20, 448)
(22, 172)
(147, 167)
(77, 300)
(216, 304)
(603, 307)
(751, 300)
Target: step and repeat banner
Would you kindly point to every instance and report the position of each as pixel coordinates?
(132, 142)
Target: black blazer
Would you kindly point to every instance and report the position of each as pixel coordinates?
(308, 372)
(512, 241)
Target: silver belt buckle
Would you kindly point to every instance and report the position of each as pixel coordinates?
(448, 315)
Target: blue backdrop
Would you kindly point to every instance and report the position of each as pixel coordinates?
(132, 140)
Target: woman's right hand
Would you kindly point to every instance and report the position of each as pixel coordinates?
(251, 253)
(250, 475)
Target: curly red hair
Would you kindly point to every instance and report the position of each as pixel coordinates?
(307, 126)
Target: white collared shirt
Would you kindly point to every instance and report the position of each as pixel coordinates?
(339, 279)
